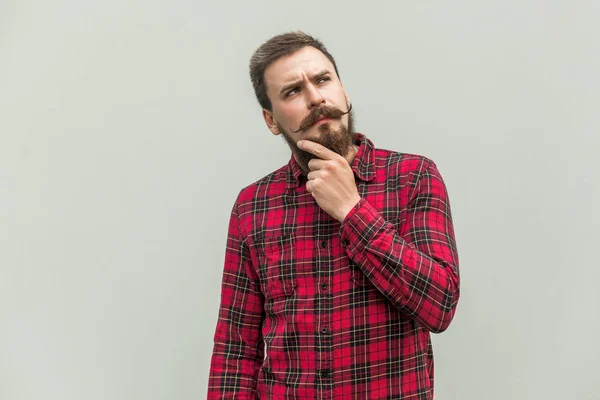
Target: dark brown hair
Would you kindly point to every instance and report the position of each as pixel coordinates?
(275, 48)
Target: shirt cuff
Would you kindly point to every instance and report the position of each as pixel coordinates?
(360, 226)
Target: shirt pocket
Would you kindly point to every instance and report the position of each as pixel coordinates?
(277, 270)
(357, 276)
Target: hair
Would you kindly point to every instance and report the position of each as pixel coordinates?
(275, 48)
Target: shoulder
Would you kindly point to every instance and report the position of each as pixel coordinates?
(404, 170)
(399, 162)
(257, 195)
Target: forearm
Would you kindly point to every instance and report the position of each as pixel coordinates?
(234, 365)
(415, 265)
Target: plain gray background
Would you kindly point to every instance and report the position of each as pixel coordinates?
(128, 128)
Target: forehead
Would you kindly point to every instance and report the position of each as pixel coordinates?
(307, 60)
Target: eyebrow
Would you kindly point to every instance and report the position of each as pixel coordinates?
(294, 84)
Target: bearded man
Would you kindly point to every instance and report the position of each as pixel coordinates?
(338, 265)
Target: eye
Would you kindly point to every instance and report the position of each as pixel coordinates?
(324, 79)
(292, 92)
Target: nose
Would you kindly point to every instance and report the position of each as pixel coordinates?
(314, 97)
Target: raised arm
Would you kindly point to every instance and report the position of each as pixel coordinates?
(414, 265)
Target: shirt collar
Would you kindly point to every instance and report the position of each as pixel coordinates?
(363, 164)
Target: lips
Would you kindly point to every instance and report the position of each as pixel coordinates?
(322, 119)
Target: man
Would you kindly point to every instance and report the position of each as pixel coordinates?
(339, 264)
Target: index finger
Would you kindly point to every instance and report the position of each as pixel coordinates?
(316, 149)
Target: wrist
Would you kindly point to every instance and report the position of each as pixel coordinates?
(346, 210)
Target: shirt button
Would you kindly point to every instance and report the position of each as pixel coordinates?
(325, 373)
(324, 244)
(324, 330)
(346, 242)
(324, 286)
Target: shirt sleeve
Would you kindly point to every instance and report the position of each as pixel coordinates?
(238, 346)
(414, 265)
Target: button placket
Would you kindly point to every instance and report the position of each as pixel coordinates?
(324, 234)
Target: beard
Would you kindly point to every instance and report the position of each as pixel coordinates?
(339, 141)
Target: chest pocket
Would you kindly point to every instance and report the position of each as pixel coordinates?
(277, 270)
(358, 277)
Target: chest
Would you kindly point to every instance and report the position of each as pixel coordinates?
(296, 246)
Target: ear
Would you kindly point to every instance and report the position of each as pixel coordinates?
(270, 121)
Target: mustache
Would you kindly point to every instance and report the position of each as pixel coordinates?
(322, 111)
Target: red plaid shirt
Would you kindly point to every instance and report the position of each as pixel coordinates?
(314, 309)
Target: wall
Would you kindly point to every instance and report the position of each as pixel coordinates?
(128, 128)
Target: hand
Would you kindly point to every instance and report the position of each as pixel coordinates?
(330, 180)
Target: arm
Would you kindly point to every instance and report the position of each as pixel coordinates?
(238, 346)
(414, 265)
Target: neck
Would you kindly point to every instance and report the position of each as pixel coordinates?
(351, 154)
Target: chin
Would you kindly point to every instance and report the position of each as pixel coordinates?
(315, 132)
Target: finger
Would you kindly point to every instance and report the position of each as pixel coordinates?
(316, 164)
(309, 187)
(316, 149)
(313, 186)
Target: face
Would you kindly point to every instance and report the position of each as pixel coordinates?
(308, 102)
